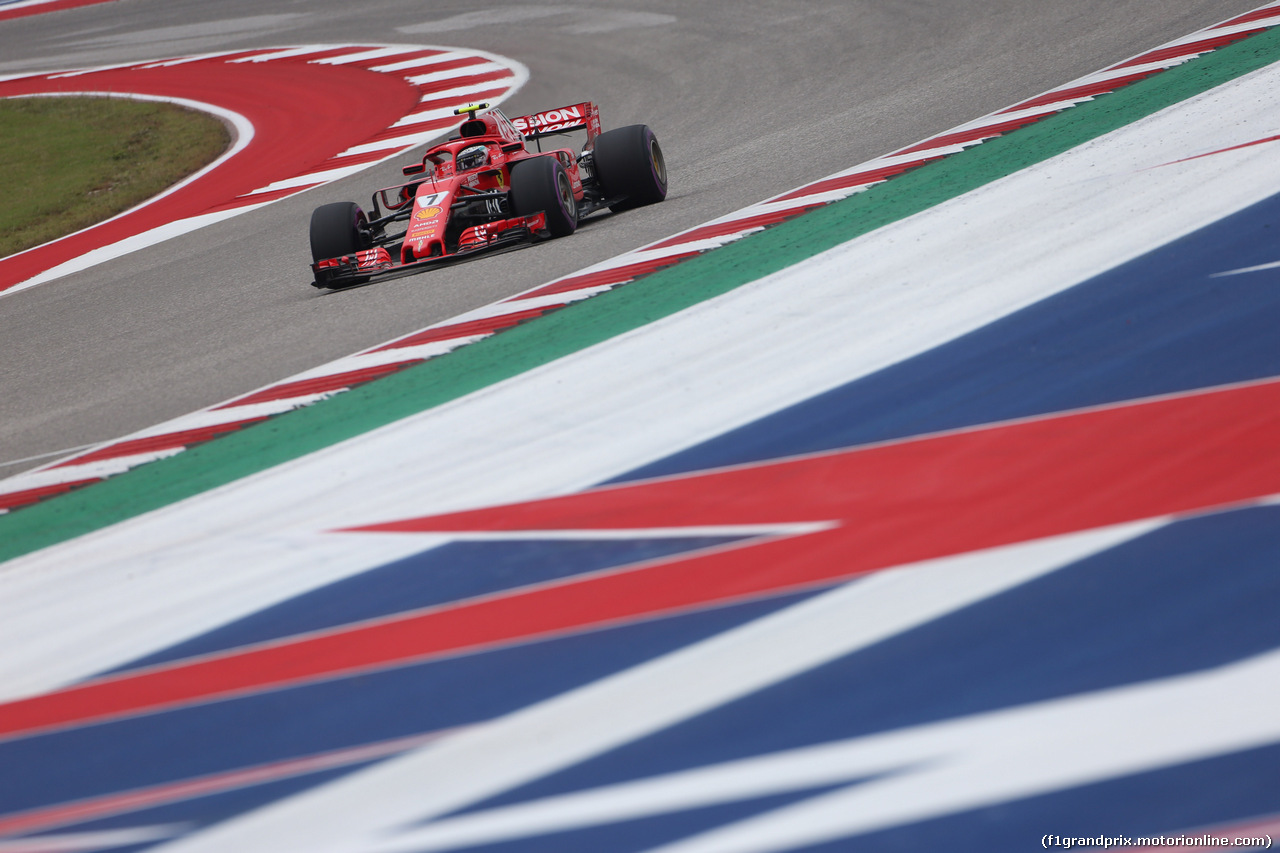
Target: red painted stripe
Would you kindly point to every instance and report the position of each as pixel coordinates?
(427, 89)
(452, 101)
(733, 226)
(967, 490)
(857, 179)
(447, 65)
(1046, 476)
(56, 6)
(487, 326)
(318, 385)
(312, 56)
(613, 275)
(369, 64)
(153, 443)
(260, 198)
(1080, 93)
(13, 500)
(1188, 50)
(226, 57)
(407, 130)
(966, 137)
(1225, 150)
(354, 160)
(96, 808)
(1249, 17)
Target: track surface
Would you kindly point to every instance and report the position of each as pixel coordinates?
(748, 100)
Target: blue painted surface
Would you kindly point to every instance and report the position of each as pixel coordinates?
(301, 721)
(1174, 800)
(207, 810)
(1185, 598)
(449, 573)
(1156, 325)
(633, 836)
(1230, 789)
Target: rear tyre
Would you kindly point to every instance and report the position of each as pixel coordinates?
(338, 229)
(629, 162)
(541, 184)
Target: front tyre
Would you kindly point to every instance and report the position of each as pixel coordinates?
(540, 184)
(338, 229)
(629, 163)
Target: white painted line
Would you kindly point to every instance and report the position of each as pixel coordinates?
(604, 534)
(460, 92)
(927, 770)
(69, 842)
(384, 801)
(101, 469)
(22, 4)
(401, 355)
(1113, 74)
(641, 255)
(497, 309)
(470, 70)
(215, 417)
(391, 146)
(422, 62)
(1014, 753)
(128, 245)
(169, 63)
(309, 179)
(65, 452)
(430, 115)
(286, 53)
(1031, 114)
(78, 72)
(887, 161)
(364, 55)
(1268, 21)
(67, 473)
(379, 355)
(516, 304)
(1259, 268)
(400, 143)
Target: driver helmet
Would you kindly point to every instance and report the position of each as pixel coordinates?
(472, 157)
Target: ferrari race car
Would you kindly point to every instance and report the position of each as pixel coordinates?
(484, 190)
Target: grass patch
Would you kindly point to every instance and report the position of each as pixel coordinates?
(66, 163)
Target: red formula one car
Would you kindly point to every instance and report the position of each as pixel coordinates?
(484, 190)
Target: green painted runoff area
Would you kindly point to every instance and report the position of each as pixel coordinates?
(592, 321)
(69, 162)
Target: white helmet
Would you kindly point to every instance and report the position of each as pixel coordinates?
(472, 157)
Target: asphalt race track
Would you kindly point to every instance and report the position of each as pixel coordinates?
(748, 100)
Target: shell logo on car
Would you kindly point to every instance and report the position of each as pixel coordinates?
(426, 213)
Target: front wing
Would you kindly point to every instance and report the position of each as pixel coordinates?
(370, 263)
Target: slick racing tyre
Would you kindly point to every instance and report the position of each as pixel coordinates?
(338, 229)
(628, 162)
(541, 184)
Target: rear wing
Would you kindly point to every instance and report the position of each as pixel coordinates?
(584, 116)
